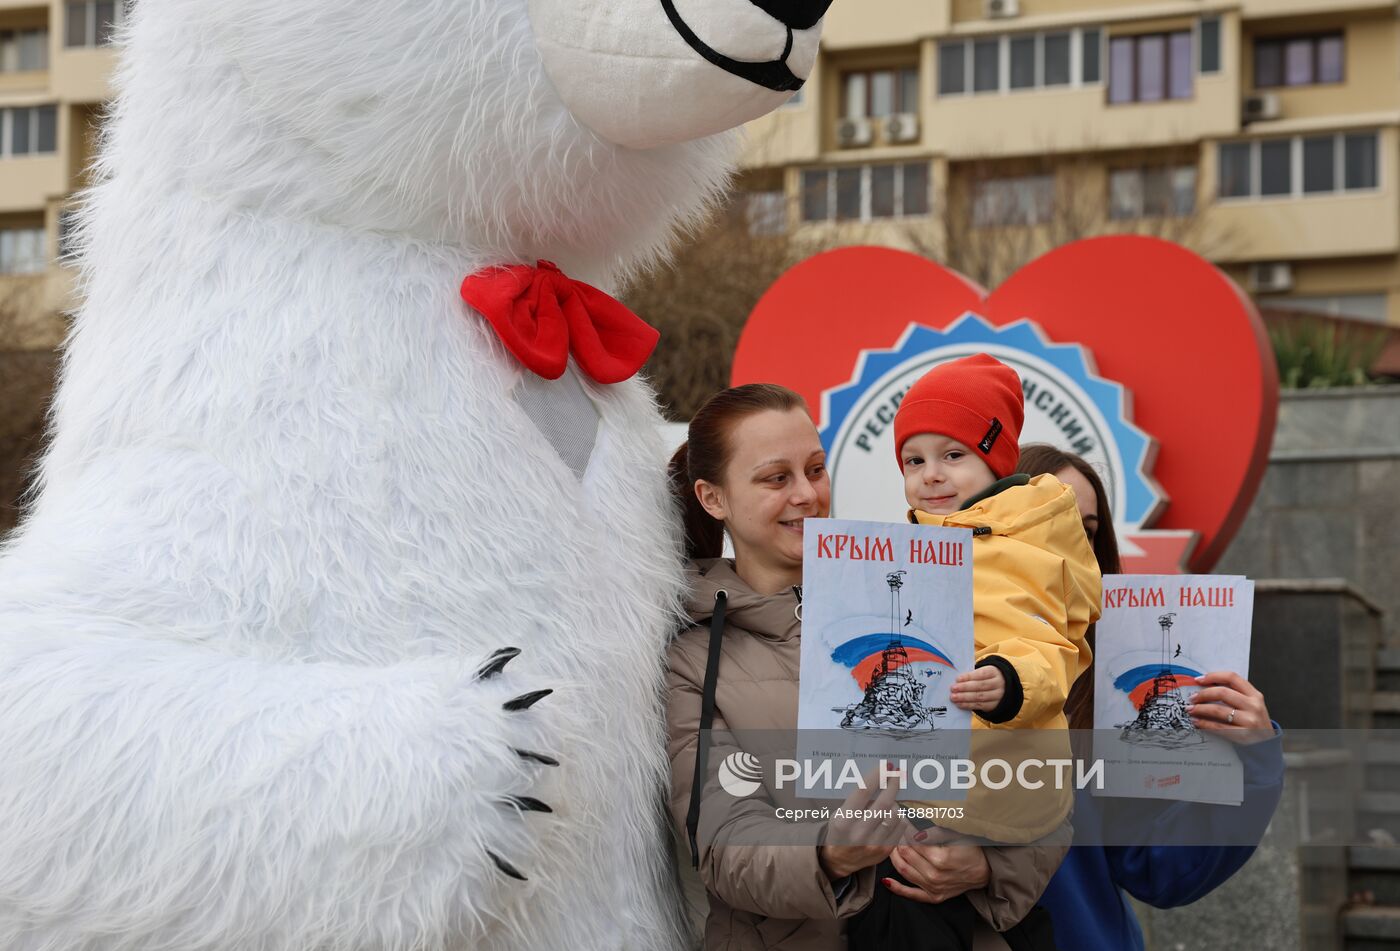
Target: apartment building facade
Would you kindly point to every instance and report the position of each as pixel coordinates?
(1272, 125)
(55, 63)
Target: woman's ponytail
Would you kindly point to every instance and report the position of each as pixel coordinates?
(704, 534)
(704, 456)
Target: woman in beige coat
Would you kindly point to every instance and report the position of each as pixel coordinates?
(754, 467)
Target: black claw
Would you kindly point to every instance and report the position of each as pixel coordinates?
(526, 701)
(506, 867)
(497, 662)
(537, 757)
(527, 804)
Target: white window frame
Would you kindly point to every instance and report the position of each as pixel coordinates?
(1076, 64)
(1141, 172)
(7, 123)
(1295, 158)
(42, 258)
(866, 193)
(1198, 46)
(1012, 183)
(119, 15)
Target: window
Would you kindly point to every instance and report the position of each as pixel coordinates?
(878, 93)
(93, 22)
(848, 193)
(67, 234)
(1300, 165)
(28, 130)
(1299, 60)
(865, 192)
(1028, 200)
(1093, 52)
(1018, 61)
(1276, 167)
(952, 68)
(1150, 68)
(1023, 62)
(815, 204)
(765, 213)
(986, 66)
(1152, 192)
(23, 50)
(1236, 160)
(21, 250)
(1361, 156)
(1210, 45)
(1057, 59)
(1319, 164)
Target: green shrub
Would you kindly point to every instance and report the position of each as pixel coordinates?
(1316, 354)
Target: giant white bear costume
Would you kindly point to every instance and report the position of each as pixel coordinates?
(299, 496)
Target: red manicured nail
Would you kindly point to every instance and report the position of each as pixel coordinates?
(921, 836)
(887, 882)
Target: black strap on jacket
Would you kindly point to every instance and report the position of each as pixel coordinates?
(707, 721)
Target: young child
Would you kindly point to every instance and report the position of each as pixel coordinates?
(1036, 589)
(1036, 585)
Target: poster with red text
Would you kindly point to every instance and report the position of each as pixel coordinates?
(886, 629)
(1158, 634)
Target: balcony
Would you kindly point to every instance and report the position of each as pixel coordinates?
(1088, 87)
(1346, 67)
(1296, 224)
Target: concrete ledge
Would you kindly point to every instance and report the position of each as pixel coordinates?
(1374, 857)
(1373, 922)
(1316, 586)
(1286, 456)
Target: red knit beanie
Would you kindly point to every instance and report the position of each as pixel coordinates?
(976, 400)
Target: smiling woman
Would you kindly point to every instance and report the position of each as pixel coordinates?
(754, 468)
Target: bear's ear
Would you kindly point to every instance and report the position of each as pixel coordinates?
(647, 73)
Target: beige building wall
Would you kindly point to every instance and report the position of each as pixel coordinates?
(35, 189)
(1340, 249)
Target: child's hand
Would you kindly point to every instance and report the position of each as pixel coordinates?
(980, 689)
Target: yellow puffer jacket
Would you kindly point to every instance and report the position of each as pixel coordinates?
(1036, 589)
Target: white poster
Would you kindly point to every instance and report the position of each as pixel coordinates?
(1157, 635)
(886, 629)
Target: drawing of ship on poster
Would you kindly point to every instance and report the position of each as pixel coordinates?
(1157, 637)
(886, 629)
(893, 700)
(1162, 720)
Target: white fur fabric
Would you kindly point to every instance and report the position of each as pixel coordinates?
(291, 505)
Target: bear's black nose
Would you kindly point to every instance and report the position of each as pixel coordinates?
(795, 14)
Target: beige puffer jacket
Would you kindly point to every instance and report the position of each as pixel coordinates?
(763, 894)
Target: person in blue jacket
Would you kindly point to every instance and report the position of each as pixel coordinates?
(1086, 897)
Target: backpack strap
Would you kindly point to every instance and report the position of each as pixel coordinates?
(707, 720)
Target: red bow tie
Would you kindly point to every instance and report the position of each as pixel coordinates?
(542, 316)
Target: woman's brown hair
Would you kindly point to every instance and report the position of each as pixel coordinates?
(705, 455)
(1039, 458)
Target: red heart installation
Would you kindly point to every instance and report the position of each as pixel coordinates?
(1181, 337)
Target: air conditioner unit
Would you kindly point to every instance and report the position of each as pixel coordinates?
(1001, 9)
(851, 133)
(1261, 107)
(902, 127)
(1273, 278)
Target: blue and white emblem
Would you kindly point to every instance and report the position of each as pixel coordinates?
(1067, 405)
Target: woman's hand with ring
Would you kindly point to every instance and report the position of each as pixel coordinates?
(1231, 706)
